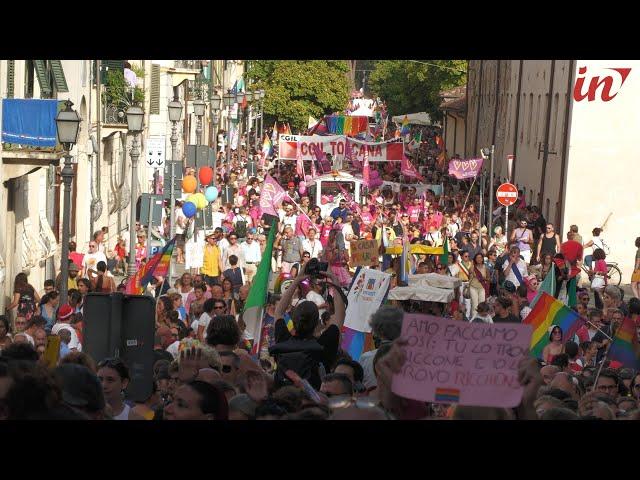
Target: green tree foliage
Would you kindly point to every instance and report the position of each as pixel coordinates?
(408, 86)
(295, 89)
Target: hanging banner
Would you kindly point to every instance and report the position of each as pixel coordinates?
(335, 145)
(365, 297)
(462, 169)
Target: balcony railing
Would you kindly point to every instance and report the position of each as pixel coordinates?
(188, 64)
(116, 101)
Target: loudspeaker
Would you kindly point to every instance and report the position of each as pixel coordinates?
(137, 333)
(122, 326)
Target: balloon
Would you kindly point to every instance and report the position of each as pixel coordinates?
(308, 178)
(324, 200)
(302, 188)
(201, 201)
(374, 174)
(205, 175)
(193, 199)
(211, 193)
(189, 209)
(189, 184)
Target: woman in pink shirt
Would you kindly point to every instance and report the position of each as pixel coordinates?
(414, 211)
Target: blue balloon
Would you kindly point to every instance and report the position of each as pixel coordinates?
(211, 193)
(189, 209)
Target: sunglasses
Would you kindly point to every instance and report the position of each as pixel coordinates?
(227, 368)
(219, 307)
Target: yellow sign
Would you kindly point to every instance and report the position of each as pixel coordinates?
(52, 351)
(417, 249)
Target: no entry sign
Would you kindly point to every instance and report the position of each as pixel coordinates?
(507, 194)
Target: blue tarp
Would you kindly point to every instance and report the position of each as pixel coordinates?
(29, 121)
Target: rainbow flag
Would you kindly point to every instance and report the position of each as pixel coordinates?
(356, 343)
(405, 130)
(267, 149)
(550, 311)
(625, 348)
(157, 266)
(447, 395)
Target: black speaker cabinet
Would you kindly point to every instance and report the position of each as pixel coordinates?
(122, 326)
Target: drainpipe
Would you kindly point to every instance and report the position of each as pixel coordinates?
(475, 143)
(515, 133)
(565, 144)
(546, 135)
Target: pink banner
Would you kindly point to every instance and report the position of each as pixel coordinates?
(336, 146)
(449, 361)
(271, 196)
(462, 169)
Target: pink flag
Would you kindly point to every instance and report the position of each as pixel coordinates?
(323, 164)
(408, 170)
(366, 172)
(271, 196)
(348, 154)
(462, 169)
(303, 222)
(299, 162)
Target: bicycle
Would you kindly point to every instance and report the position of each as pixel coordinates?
(614, 274)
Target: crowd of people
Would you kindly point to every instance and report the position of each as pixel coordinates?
(205, 365)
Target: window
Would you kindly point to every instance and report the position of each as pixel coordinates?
(537, 120)
(554, 122)
(546, 210)
(28, 78)
(11, 74)
(529, 124)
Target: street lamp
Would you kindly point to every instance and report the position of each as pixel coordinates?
(229, 99)
(175, 114)
(215, 100)
(135, 122)
(68, 127)
(198, 111)
(261, 106)
(240, 96)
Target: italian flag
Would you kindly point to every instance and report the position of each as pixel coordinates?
(253, 308)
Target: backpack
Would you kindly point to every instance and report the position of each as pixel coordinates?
(241, 229)
(301, 356)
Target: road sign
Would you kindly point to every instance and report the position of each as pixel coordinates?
(174, 169)
(507, 194)
(156, 147)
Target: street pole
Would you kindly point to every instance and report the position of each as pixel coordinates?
(67, 178)
(228, 140)
(239, 145)
(261, 120)
(483, 177)
(491, 193)
(199, 130)
(135, 154)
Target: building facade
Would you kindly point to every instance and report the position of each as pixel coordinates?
(571, 153)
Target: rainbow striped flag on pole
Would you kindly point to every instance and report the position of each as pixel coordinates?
(405, 130)
(625, 348)
(158, 265)
(547, 312)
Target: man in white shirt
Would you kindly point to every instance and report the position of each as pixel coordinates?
(315, 296)
(217, 218)
(521, 266)
(311, 244)
(64, 316)
(289, 218)
(252, 256)
(92, 258)
(233, 249)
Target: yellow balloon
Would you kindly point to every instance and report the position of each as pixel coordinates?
(193, 199)
(202, 201)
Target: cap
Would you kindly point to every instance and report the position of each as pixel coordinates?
(244, 404)
(509, 286)
(291, 184)
(73, 267)
(65, 311)
(80, 387)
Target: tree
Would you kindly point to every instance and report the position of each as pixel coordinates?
(296, 89)
(415, 86)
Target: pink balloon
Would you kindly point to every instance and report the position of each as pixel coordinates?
(330, 198)
(308, 178)
(302, 189)
(374, 174)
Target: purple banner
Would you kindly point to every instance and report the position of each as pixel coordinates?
(462, 169)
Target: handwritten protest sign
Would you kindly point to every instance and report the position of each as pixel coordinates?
(364, 253)
(450, 361)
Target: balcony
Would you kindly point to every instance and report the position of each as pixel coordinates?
(189, 64)
(118, 94)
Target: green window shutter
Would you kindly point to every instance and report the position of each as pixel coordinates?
(11, 77)
(154, 104)
(43, 79)
(58, 76)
